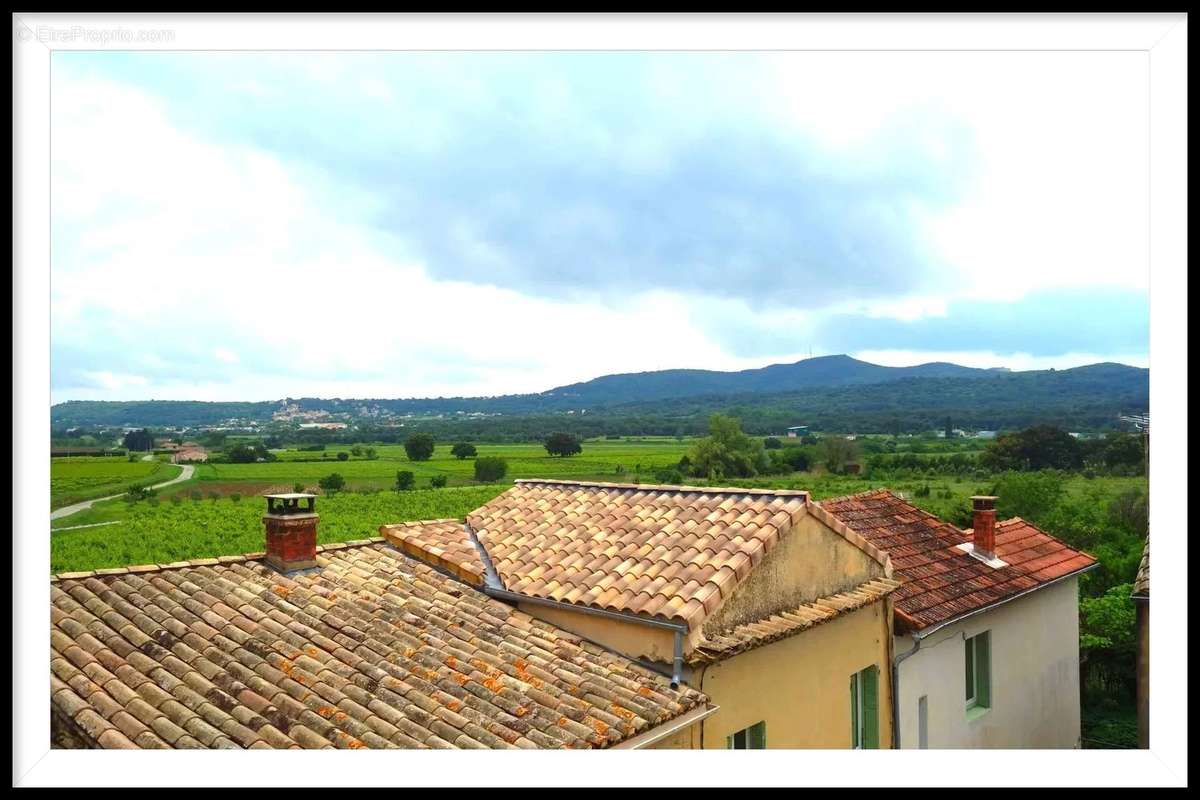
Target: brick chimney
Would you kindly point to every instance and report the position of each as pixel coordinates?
(984, 526)
(291, 531)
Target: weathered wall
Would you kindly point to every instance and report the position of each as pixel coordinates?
(1034, 676)
(630, 639)
(811, 561)
(800, 686)
(686, 739)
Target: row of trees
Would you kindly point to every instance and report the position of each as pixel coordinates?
(1048, 447)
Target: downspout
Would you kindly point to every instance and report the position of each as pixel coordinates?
(896, 689)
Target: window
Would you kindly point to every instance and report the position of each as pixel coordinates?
(864, 709)
(923, 722)
(752, 738)
(978, 663)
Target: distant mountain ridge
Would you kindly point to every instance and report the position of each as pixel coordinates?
(819, 372)
(841, 380)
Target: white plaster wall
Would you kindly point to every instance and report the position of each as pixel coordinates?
(1035, 676)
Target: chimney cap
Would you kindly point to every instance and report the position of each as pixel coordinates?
(288, 503)
(289, 495)
(984, 501)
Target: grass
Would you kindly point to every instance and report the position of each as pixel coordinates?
(1109, 728)
(77, 478)
(598, 461)
(164, 531)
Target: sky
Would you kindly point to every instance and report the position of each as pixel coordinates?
(253, 226)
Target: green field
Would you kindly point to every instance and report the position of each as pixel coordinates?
(77, 478)
(165, 531)
(599, 460)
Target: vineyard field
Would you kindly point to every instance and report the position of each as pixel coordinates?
(163, 531)
(77, 478)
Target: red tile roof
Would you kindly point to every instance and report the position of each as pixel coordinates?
(371, 650)
(942, 582)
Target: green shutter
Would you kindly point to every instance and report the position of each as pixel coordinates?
(983, 670)
(969, 649)
(871, 708)
(756, 737)
(854, 710)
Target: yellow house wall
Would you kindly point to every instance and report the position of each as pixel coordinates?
(811, 561)
(686, 739)
(800, 686)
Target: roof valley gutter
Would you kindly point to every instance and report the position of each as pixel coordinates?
(678, 628)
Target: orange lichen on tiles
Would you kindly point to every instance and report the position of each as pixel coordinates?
(214, 656)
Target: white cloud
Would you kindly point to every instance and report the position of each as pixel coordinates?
(239, 266)
(1059, 195)
(211, 269)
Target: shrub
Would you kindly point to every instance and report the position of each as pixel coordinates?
(214, 496)
(437, 482)
(772, 443)
(136, 493)
(463, 450)
(332, 483)
(298, 488)
(405, 480)
(196, 495)
(356, 450)
(490, 469)
(235, 497)
(670, 475)
(562, 445)
(152, 501)
(343, 456)
(176, 499)
(419, 447)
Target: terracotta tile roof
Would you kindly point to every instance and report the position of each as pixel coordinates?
(672, 552)
(715, 647)
(1141, 583)
(441, 542)
(372, 649)
(942, 582)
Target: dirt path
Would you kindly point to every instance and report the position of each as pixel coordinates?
(67, 511)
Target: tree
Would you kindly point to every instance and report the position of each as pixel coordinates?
(241, 454)
(1039, 447)
(727, 452)
(490, 469)
(1124, 450)
(772, 443)
(343, 456)
(370, 453)
(419, 447)
(138, 440)
(563, 445)
(332, 483)
(405, 480)
(356, 450)
(837, 452)
(463, 450)
(437, 482)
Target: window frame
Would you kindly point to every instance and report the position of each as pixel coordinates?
(751, 736)
(977, 671)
